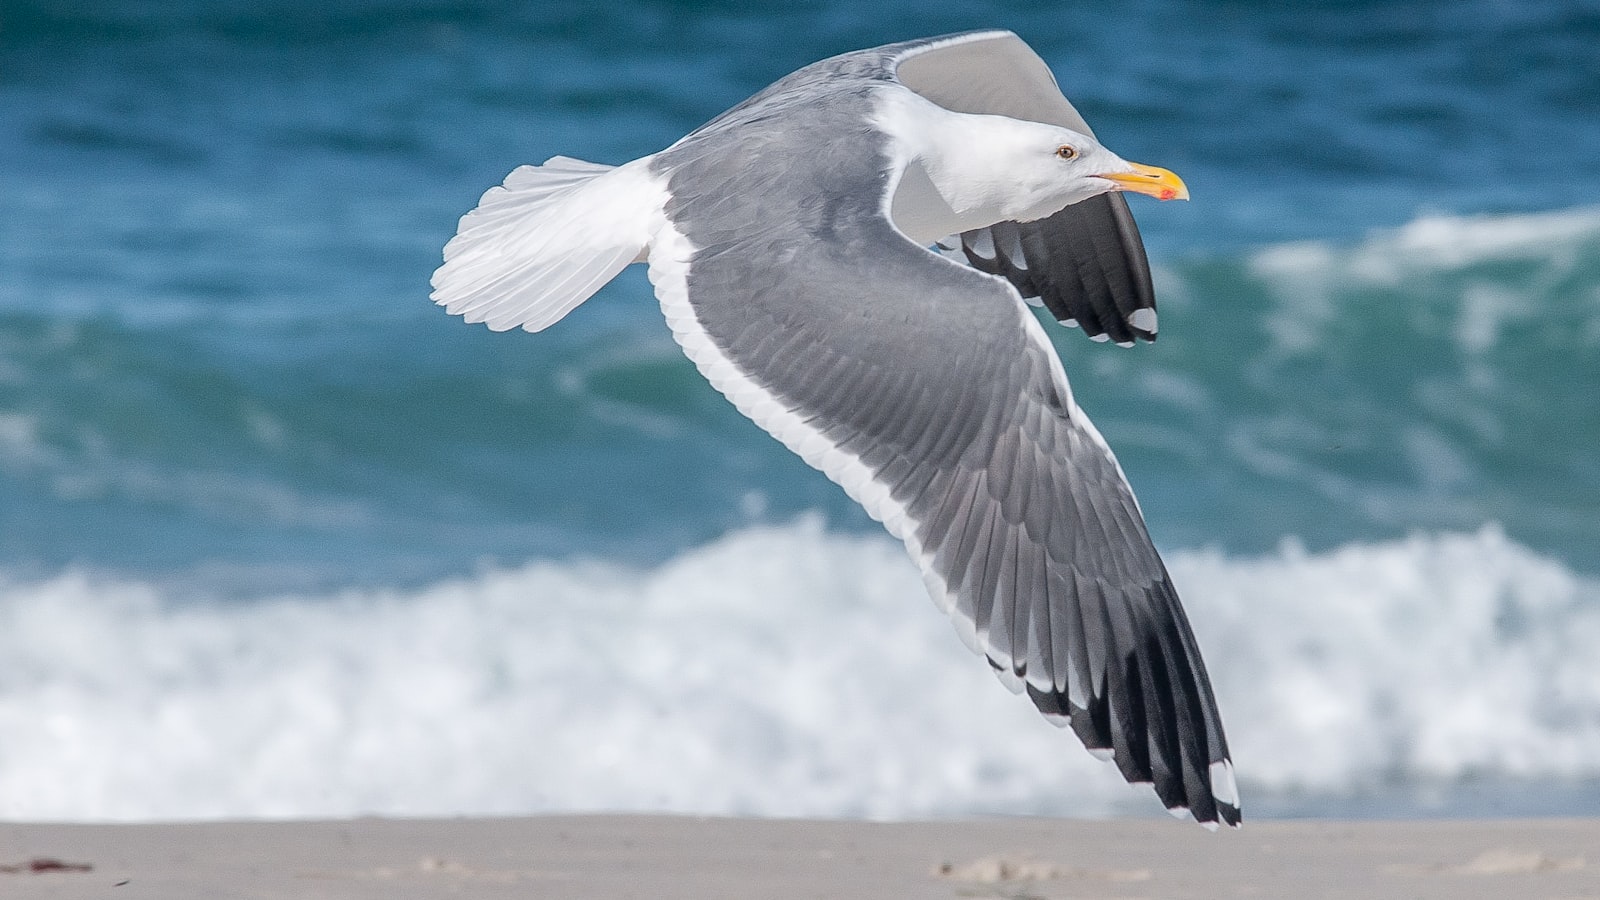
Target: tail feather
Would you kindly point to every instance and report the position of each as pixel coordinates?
(546, 240)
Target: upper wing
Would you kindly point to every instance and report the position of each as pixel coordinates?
(931, 394)
(987, 72)
(1086, 264)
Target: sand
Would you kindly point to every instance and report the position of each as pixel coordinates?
(667, 857)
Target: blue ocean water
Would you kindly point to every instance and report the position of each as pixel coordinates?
(254, 486)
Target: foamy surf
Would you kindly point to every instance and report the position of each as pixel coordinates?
(779, 671)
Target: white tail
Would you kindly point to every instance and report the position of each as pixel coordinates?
(546, 240)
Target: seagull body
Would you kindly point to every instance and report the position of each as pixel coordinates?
(791, 242)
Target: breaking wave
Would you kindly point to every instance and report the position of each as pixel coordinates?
(778, 671)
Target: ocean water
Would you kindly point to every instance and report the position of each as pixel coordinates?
(279, 538)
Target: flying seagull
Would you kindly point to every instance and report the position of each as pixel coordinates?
(846, 256)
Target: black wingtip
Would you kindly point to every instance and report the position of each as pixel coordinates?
(1225, 815)
(1217, 799)
(1086, 264)
(1207, 794)
(1210, 816)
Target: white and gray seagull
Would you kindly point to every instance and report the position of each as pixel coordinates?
(794, 244)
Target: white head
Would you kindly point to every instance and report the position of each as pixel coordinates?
(996, 168)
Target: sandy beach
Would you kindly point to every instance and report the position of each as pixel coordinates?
(666, 857)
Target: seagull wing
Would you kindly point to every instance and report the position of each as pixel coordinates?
(930, 393)
(1086, 264)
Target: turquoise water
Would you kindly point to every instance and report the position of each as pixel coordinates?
(222, 384)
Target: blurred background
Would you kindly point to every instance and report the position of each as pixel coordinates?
(280, 538)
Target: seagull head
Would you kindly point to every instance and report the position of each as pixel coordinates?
(996, 168)
(1049, 168)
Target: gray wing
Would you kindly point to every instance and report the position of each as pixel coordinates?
(1086, 264)
(930, 392)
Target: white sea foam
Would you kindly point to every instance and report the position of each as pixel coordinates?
(1442, 242)
(1488, 271)
(778, 671)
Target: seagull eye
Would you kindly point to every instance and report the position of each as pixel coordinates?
(1067, 151)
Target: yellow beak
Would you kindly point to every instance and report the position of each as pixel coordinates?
(1157, 182)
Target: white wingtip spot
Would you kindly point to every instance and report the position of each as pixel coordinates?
(982, 243)
(1179, 812)
(1099, 338)
(1104, 754)
(1143, 319)
(1223, 787)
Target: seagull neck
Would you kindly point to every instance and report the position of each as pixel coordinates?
(948, 184)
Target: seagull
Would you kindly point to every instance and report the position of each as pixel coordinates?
(849, 257)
